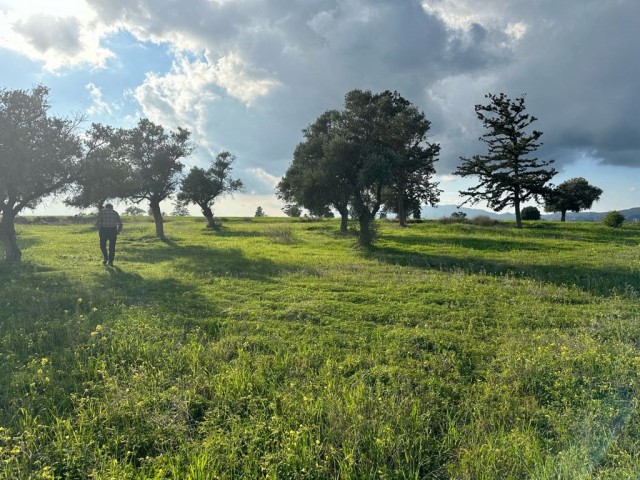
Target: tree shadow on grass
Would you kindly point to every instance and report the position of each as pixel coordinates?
(474, 243)
(600, 281)
(210, 262)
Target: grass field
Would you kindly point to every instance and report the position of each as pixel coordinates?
(275, 349)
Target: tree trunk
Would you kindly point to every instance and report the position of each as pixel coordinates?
(344, 219)
(402, 213)
(157, 218)
(563, 215)
(208, 214)
(367, 232)
(8, 238)
(516, 204)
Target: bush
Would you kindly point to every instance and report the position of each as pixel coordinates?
(530, 213)
(613, 219)
(484, 221)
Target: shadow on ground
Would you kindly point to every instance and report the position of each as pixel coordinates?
(601, 281)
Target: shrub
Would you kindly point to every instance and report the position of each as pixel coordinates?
(459, 215)
(613, 219)
(484, 221)
(530, 213)
(281, 234)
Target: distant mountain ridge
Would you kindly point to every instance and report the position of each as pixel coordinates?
(630, 214)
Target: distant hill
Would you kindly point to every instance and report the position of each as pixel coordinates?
(630, 214)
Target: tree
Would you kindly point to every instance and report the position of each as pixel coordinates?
(180, 209)
(311, 180)
(613, 219)
(412, 182)
(292, 210)
(133, 210)
(507, 175)
(260, 212)
(530, 213)
(106, 174)
(372, 151)
(203, 187)
(40, 155)
(574, 195)
(154, 158)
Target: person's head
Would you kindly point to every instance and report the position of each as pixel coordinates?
(108, 206)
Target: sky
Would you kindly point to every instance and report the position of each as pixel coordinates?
(248, 75)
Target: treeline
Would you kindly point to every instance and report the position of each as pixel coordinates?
(373, 156)
(43, 155)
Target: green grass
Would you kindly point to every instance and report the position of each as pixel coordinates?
(276, 349)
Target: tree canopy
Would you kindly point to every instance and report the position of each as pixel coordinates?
(202, 187)
(372, 151)
(40, 155)
(153, 155)
(572, 195)
(507, 174)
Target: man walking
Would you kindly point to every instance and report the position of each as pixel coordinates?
(109, 226)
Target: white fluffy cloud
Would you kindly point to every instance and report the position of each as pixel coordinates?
(60, 34)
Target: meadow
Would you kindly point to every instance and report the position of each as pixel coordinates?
(276, 349)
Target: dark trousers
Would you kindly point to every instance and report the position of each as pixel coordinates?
(108, 234)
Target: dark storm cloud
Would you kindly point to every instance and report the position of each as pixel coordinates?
(581, 74)
(576, 61)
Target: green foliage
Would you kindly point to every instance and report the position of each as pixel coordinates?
(133, 210)
(259, 212)
(573, 195)
(39, 156)
(530, 213)
(204, 187)
(507, 175)
(444, 351)
(374, 151)
(613, 219)
(292, 211)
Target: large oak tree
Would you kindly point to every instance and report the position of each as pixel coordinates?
(40, 155)
(507, 174)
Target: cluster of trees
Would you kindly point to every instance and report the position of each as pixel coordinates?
(43, 155)
(371, 154)
(374, 155)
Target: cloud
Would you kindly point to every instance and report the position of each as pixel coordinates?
(249, 75)
(59, 34)
(98, 105)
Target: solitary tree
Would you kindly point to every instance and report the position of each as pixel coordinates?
(260, 212)
(203, 187)
(530, 213)
(39, 156)
(573, 195)
(154, 158)
(507, 175)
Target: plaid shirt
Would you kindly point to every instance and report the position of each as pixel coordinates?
(108, 217)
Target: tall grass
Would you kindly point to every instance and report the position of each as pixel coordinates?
(276, 349)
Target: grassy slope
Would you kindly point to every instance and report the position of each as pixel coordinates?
(274, 349)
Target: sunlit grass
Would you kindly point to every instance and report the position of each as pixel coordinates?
(275, 348)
